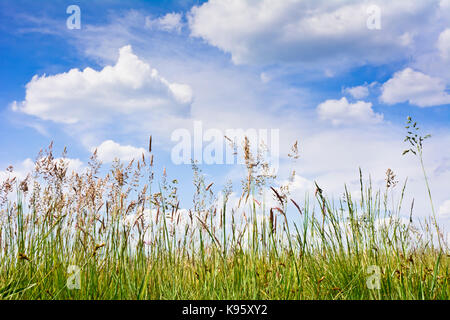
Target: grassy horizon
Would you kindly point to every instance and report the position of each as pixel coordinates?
(122, 235)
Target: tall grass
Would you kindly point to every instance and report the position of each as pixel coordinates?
(124, 235)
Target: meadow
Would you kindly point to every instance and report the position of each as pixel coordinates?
(123, 235)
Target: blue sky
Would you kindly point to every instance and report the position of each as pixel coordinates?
(314, 70)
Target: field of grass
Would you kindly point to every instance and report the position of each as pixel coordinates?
(122, 235)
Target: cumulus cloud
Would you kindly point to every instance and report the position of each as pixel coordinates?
(130, 87)
(444, 209)
(444, 44)
(308, 31)
(358, 92)
(73, 165)
(26, 167)
(343, 112)
(171, 22)
(299, 186)
(416, 88)
(20, 171)
(110, 150)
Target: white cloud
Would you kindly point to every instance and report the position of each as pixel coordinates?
(73, 165)
(109, 150)
(265, 78)
(406, 39)
(129, 88)
(301, 183)
(20, 171)
(415, 87)
(171, 22)
(299, 186)
(26, 167)
(308, 31)
(359, 92)
(444, 209)
(329, 73)
(445, 4)
(444, 44)
(448, 239)
(343, 112)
